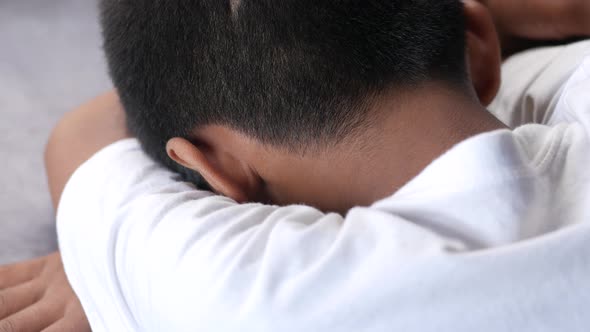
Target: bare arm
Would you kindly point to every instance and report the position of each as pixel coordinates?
(80, 134)
(35, 295)
(541, 19)
(524, 24)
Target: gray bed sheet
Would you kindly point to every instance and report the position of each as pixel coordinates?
(50, 62)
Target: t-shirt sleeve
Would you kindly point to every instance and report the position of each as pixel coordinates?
(145, 251)
(533, 81)
(574, 103)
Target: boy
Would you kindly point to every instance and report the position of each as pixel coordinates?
(145, 251)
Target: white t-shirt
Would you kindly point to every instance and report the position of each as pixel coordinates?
(492, 236)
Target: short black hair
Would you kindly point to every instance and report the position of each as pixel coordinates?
(290, 73)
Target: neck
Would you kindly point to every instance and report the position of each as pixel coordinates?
(414, 134)
(407, 133)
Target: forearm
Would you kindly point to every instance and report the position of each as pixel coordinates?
(36, 295)
(541, 19)
(524, 24)
(79, 135)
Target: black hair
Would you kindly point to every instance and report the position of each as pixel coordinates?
(289, 73)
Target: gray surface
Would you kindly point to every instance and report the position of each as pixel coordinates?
(50, 61)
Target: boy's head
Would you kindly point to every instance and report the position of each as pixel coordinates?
(275, 100)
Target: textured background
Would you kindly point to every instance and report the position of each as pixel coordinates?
(50, 61)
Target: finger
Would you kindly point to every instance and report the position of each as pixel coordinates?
(16, 298)
(63, 326)
(32, 319)
(15, 274)
(74, 320)
(69, 324)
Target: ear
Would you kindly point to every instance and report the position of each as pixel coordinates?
(221, 172)
(483, 51)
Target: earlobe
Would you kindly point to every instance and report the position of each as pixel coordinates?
(483, 51)
(202, 161)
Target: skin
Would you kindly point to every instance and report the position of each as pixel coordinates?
(35, 295)
(375, 162)
(532, 23)
(541, 19)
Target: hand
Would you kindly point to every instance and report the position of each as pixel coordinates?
(36, 296)
(541, 19)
